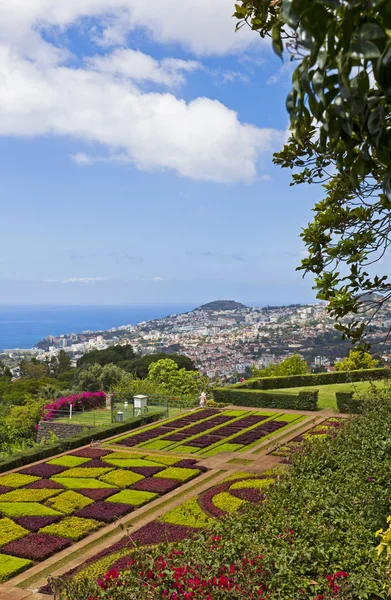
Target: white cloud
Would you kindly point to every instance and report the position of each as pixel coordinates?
(201, 26)
(42, 92)
(137, 66)
(201, 139)
(85, 280)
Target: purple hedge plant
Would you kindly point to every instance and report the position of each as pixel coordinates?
(45, 484)
(35, 523)
(43, 470)
(105, 511)
(98, 493)
(36, 546)
(91, 452)
(158, 485)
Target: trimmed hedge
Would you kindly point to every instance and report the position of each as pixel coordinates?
(346, 403)
(260, 399)
(100, 433)
(275, 383)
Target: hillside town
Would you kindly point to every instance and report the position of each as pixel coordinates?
(223, 338)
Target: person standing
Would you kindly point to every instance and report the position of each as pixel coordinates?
(203, 400)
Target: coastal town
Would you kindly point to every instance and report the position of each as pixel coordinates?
(223, 338)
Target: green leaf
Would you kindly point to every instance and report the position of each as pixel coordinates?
(277, 41)
(387, 185)
(362, 48)
(370, 31)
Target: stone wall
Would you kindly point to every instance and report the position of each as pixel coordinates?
(61, 430)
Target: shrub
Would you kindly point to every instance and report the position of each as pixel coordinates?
(105, 511)
(346, 403)
(252, 483)
(157, 485)
(311, 380)
(36, 546)
(43, 470)
(91, 452)
(85, 400)
(73, 528)
(122, 478)
(147, 471)
(224, 501)
(132, 497)
(164, 460)
(157, 445)
(68, 502)
(261, 399)
(36, 523)
(131, 462)
(11, 566)
(83, 472)
(16, 480)
(223, 448)
(98, 433)
(68, 461)
(74, 483)
(124, 455)
(178, 473)
(97, 493)
(10, 531)
(28, 495)
(44, 484)
(14, 510)
(189, 514)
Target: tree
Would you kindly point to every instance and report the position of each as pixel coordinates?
(110, 376)
(341, 84)
(294, 365)
(33, 369)
(165, 374)
(88, 379)
(140, 366)
(23, 419)
(113, 355)
(357, 359)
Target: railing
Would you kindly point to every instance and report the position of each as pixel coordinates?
(122, 409)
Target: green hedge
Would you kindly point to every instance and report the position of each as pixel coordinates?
(100, 433)
(259, 399)
(275, 383)
(346, 403)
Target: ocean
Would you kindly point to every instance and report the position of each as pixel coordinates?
(24, 326)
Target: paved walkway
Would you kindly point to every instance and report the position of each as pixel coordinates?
(220, 466)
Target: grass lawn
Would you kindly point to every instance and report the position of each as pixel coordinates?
(327, 398)
(102, 416)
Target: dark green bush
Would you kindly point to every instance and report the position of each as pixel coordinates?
(346, 403)
(261, 399)
(275, 383)
(100, 433)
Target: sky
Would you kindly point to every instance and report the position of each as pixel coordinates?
(136, 143)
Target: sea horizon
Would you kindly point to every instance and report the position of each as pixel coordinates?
(24, 325)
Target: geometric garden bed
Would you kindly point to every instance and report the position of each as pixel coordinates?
(47, 507)
(208, 432)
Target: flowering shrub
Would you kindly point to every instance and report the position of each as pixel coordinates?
(36, 546)
(83, 401)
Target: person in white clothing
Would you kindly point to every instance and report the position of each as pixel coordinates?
(202, 400)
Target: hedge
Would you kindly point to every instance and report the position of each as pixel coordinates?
(260, 399)
(100, 433)
(275, 383)
(346, 403)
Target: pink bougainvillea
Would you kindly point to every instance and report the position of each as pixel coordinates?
(83, 401)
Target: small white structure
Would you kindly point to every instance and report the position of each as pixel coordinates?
(140, 404)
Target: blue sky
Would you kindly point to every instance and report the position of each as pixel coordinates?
(135, 157)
